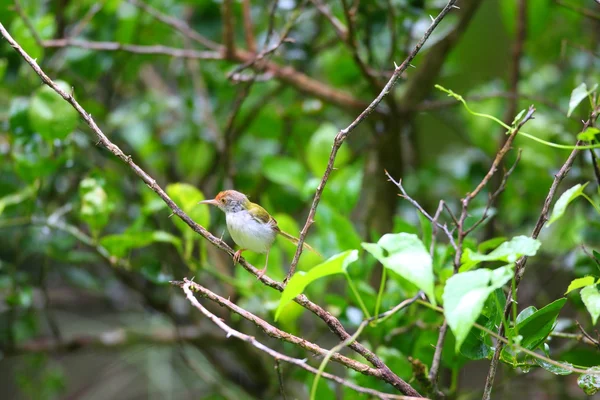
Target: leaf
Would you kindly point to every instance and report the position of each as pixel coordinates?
(578, 95)
(563, 201)
(508, 252)
(523, 315)
(589, 134)
(556, 370)
(465, 294)
(119, 245)
(336, 264)
(50, 115)
(18, 197)
(405, 254)
(319, 149)
(536, 326)
(95, 207)
(590, 383)
(579, 283)
(285, 171)
(187, 198)
(591, 298)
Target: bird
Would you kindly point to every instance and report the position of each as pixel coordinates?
(251, 227)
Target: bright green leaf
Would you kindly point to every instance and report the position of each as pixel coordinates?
(589, 134)
(285, 171)
(508, 252)
(563, 201)
(465, 294)
(591, 298)
(590, 383)
(18, 197)
(319, 149)
(50, 115)
(527, 312)
(334, 265)
(95, 205)
(406, 255)
(187, 198)
(578, 95)
(119, 245)
(536, 326)
(579, 283)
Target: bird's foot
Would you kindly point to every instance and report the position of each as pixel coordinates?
(261, 272)
(237, 255)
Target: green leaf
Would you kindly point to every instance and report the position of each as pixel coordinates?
(578, 95)
(50, 115)
(334, 265)
(18, 197)
(589, 134)
(591, 298)
(465, 294)
(187, 198)
(590, 383)
(119, 245)
(508, 252)
(95, 206)
(490, 244)
(553, 368)
(523, 315)
(405, 254)
(563, 201)
(536, 326)
(579, 283)
(319, 149)
(285, 171)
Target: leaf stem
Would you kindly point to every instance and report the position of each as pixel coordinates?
(357, 295)
(381, 288)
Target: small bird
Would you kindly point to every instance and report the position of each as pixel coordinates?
(251, 227)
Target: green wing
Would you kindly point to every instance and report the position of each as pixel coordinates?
(261, 215)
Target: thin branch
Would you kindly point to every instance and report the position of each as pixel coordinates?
(437, 356)
(595, 166)
(188, 285)
(343, 134)
(332, 322)
(521, 263)
(28, 23)
(228, 31)
(280, 379)
(589, 337)
(178, 24)
(580, 10)
(248, 27)
(338, 26)
(132, 48)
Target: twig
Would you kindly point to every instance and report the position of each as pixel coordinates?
(132, 48)
(248, 28)
(186, 286)
(280, 379)
(595, 166)
(338, 26)
(521, 262)
(437, 356)
(28, 24)
(580, 10)
(228, 32)
(588, 336)
(416, 204)
(332, 322)
(341, 136)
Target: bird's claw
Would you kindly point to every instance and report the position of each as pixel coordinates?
(236, 256)
(261, 273)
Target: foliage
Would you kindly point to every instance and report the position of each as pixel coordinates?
(87, 250)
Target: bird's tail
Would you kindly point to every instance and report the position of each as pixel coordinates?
(296, 240)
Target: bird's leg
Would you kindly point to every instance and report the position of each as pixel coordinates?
(261, 272)
(237, 255)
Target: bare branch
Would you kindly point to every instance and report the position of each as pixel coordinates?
(343, 134)
(28, 24)
(228, 31)
(188, 285)
(248, 28)
(338, 26)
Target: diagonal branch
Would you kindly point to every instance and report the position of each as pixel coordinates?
(333, 323)
(343, 134)
(188, 285)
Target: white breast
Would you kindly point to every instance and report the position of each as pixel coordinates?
(248, 233)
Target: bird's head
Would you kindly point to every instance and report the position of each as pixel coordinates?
(229, 201)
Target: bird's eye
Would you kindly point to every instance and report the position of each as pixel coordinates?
(223, 201)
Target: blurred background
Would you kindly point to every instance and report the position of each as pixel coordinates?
(87, 250)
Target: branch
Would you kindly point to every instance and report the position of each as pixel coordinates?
(248, 33)
(228, 32)
(343, 134)
(338, 26)
(521, 262)
(188, 285)
(132, 48)
(286, 74)
(36, 36)
(580, 10)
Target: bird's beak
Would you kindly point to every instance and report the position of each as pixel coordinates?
(212, 202)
